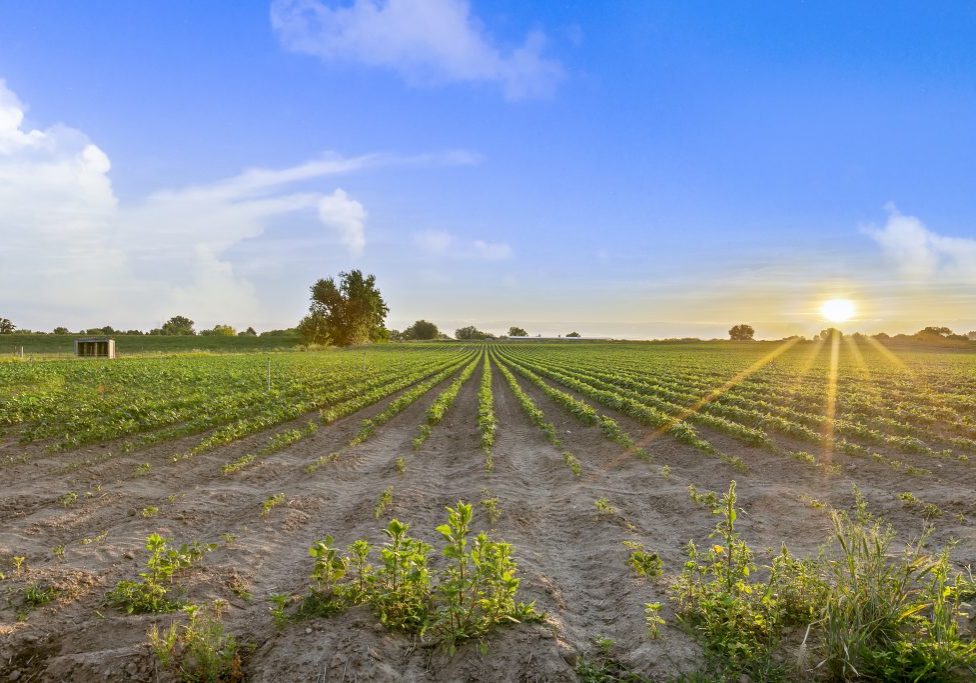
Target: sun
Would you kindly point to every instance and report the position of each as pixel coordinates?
(837, 310)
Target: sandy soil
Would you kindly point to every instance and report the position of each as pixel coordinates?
(571, 557)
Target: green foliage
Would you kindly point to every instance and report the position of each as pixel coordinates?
(200, 650)
(352, 312)
(271, 502)
(742, 332)
(515, 331)
(645, 564)
(151, 592)
(178, 325)
(604, 507)
(421, 330)
(471, 333)
(383, 502)
(472, 593)
(486, 413)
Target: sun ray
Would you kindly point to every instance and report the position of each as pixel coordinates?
(831, 405)
(863, 370)
(887, 353)
(716, 393)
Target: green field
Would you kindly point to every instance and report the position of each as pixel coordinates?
(598, 462)
(126, 344)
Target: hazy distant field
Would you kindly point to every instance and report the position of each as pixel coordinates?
(584, 452)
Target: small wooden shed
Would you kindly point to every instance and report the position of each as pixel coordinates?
(95, 347)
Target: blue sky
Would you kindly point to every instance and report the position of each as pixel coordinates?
(634, 168)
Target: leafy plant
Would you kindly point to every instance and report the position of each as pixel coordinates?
(644, 563)
(271, 503)
(151, 592)
(384, 501)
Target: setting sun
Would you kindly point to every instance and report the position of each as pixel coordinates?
(837, 310)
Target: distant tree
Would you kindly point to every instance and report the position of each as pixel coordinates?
(352, 312)
(941, 332)
(249, 332)
(573, 334)
(971, 335)
(6, 327)
(60, 330)
(108, 329)
(224, 331)
(134, 333)
(471, 333)
(394, 335)
(178, 324)
(881, 336)
(421, 330)
(742, 332)
(829, 333)
(514, 331)
(280, 333)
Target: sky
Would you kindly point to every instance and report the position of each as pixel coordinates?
(632, 169)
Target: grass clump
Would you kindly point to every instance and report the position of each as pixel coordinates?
(200, 650)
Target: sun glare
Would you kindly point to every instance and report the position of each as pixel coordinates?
(837, 310)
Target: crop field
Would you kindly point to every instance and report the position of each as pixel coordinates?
(236, 482)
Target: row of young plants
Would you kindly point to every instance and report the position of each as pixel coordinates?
(538, 418)
(130, 402)
(438, 409)
(739, 409)
(666, 424)
(338, 404)
(486, 413)
(369, 425)
(581, 410)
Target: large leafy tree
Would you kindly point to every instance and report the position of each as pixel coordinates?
(350, 312)
(178, 324)
(515, 331)
(742, 333)
(6, 327)
(421, 330)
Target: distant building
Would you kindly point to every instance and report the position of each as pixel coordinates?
(95, 347)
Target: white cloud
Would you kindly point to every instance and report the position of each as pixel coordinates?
(434, 241)
(347, 216)
(922, 255)
(71, 254)
(444, 243)
(428, 42)
(489, 251)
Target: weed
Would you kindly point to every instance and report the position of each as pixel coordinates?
(143, 469)
(68, 499)
(645, 564)
(492, 509)
(604, 507)
(149, 511)
(653, 619)
(383, 502)
(708, 499)
(200, 649)
(20, 563)
(151, 592)
(271, 502)
(58, 552)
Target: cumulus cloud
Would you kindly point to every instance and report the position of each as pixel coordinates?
(347, 216)
(428, 42)
(921, 254)
(70, 253)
